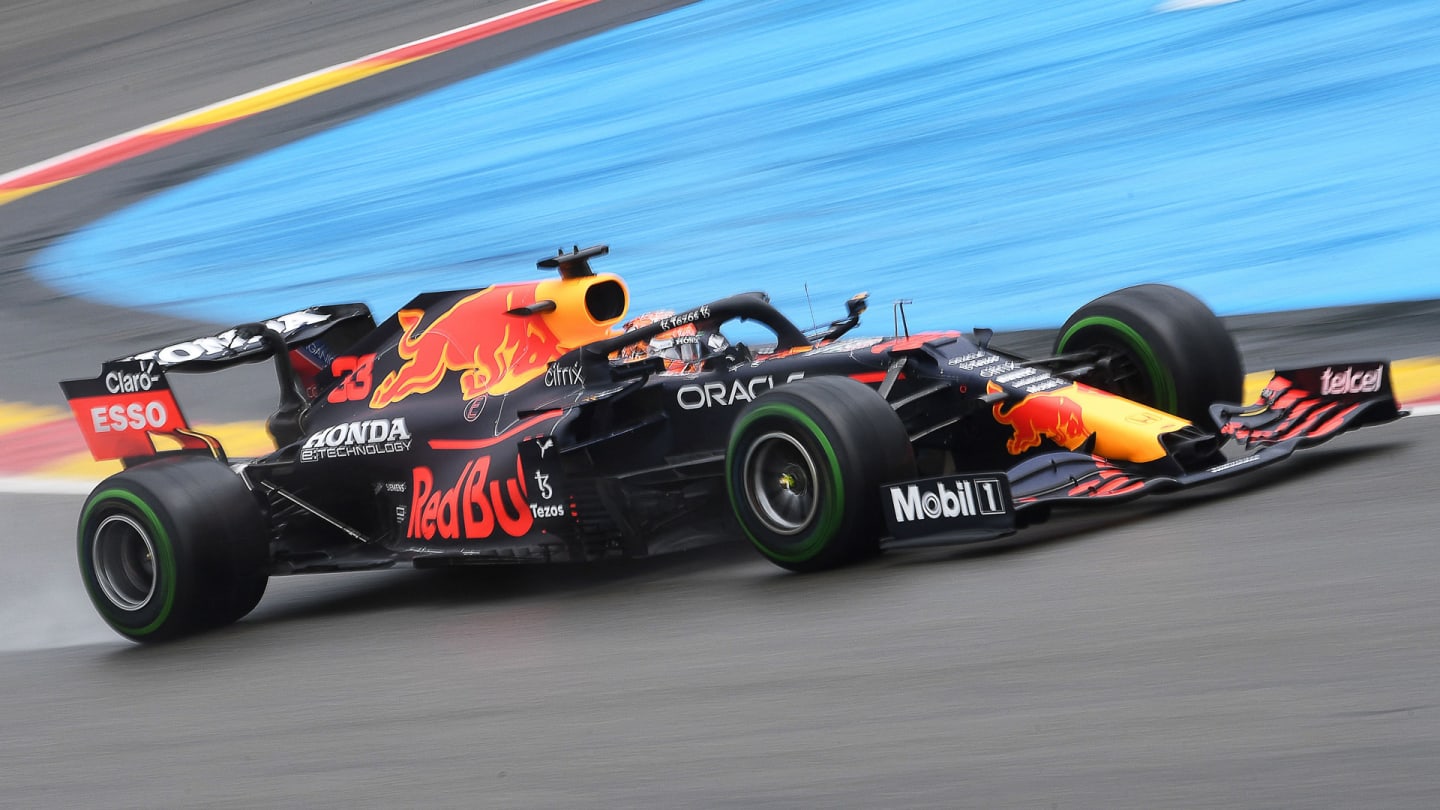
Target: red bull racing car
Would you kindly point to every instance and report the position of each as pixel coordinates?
(529, 422)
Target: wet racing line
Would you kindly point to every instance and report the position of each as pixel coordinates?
(1267, 646)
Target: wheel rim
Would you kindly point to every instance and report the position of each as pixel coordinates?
(1134, 370)
(124, 559)
(1122, 374)
(780, 484)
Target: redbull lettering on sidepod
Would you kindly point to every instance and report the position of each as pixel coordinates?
(474, 507)
(1040, 415)
(495, 352)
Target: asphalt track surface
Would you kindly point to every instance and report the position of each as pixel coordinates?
(1271, 642)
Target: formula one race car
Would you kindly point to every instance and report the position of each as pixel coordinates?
(528, 422)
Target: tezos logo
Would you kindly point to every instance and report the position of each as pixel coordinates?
(542, 483)
(968, 498)
(1350, 381)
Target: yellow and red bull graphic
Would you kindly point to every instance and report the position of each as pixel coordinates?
(1039, 416)
(494, 351)
(1070, 416)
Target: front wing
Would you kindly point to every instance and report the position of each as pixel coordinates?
(1298, 408)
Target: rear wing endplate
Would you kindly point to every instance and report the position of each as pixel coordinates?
(121, 411)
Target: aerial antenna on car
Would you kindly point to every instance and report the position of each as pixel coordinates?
(813, 322)
(900, 316)
(576, 263)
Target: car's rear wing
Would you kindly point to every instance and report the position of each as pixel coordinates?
(121, 411)
(244, 344)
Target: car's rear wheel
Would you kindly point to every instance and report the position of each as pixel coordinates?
(1157, 345)
(804, 468)
(173, 547)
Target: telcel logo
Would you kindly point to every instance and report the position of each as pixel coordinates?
(1350, 381)
(967, 498)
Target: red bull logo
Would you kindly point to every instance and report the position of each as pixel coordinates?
(474, 507)
(495, 352)
(1039, 415)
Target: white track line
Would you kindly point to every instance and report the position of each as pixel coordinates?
(108, 142)
(72, 486)
(45, 486)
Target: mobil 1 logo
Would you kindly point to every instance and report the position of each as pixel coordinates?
(961, 506)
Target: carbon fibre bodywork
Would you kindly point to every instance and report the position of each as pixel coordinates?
(509, 424)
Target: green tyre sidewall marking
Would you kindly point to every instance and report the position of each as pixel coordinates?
(1166, 399)
(830, 522)
(163, 549)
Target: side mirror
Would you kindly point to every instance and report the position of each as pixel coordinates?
(853, 308)
(857, 304)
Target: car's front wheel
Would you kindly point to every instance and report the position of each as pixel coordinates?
(1157, 345)
(804, 468)
(172, 547)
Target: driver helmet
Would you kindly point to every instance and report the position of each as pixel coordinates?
(682, 346)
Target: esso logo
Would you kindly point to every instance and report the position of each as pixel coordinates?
(135, 416)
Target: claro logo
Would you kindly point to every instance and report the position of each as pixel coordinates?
(967, 498)
(1350, 381)
(121, 382)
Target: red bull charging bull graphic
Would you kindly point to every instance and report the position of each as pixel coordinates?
(1040, 415)
(495, 352)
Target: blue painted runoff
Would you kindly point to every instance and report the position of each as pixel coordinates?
(998, 163)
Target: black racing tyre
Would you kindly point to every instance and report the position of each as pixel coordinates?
(173, 547)
(1161, 346)
(804, 468)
